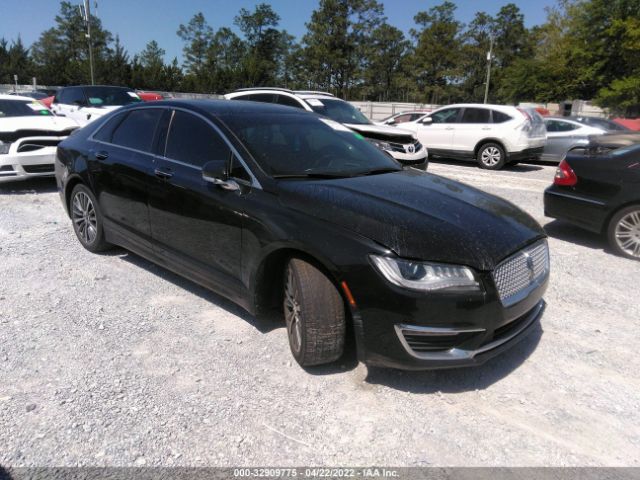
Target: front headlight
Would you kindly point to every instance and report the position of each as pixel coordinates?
(381, 145)
(424, 276)
(4, 148)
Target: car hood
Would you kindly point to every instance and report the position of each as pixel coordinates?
(418, 215)
(383, 132)
(48, 123)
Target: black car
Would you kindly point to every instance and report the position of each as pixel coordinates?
(280, 210)
(598, 189)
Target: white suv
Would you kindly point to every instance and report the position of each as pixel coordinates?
(493, 135)
(400, 144)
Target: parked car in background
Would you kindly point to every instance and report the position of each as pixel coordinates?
(400, 144)
(83, 104)
(598, 122)
(563, 135)
(632, 124)
(150, 96)
(598, 188)
(286, 211)
(403, 117)
(492, 135)
(29, 134)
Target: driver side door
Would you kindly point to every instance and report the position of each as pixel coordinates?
(196, 226)
(438, 135)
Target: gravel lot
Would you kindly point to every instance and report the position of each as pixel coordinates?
(110, 360)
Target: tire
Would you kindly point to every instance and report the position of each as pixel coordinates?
(491, 156)
(87, 219)
(623, 232)
(314, 314)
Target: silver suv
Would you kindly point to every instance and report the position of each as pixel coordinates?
(402, 145)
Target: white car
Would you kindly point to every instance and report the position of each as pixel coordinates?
(492, 135)
(400, 144)
(29, 135)
(83, 104)
(403, 117)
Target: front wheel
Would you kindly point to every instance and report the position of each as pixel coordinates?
(624, 232)
(87, 219)
(491, 156)
(314, 314)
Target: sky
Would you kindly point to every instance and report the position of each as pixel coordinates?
(139, 21)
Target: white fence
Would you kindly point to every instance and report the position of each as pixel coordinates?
(380, 110)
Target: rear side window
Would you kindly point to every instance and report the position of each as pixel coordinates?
(476, 115)
(258, 97)
(137, 129)
(499, 117)
(289, 102)
(191, 140)
(105, 133)
(71, 96)
(560, 126)
(448, 115)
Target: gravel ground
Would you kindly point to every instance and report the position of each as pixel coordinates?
(110, 360)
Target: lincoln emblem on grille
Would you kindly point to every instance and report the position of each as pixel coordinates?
(529, 261)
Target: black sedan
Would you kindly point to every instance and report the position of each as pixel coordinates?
(281, 210)
(598, 189)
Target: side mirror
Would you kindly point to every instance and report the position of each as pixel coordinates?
(426, 121)
(391, 121)
(217, 172)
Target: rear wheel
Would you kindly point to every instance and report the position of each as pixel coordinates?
(624, 232)
(87, 219)
(314, 314)
(491, 156)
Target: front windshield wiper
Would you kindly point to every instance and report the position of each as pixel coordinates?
(312, 175)
(379, 171)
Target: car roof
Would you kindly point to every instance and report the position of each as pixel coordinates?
(505, 108)
(303, 94)
(15, 97)
(224, 107)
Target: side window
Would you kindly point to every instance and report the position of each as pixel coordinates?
(105, 132)
(137, 129)
(403, 118)
(191, 140)
(259, 97)
(416, 116)
(476, 115)
(238, 171)
(72, 96)
(560, 126)
(499, 117)
(289, 102)
(448, 115)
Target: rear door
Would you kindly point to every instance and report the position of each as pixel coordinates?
(438, 135)
(195, 224)
(474, 126)
(560, 138)
(121, 163)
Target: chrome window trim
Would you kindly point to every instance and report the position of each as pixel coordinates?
(254, 181)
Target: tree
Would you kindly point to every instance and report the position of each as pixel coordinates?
(118, 65)
(337, 40)
(438, 53)
(62, 52)
(477, 42)
(384, 65)
(15, 60)
(197, 37)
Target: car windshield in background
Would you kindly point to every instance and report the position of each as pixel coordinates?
(22, 108)
(338, 110)
(109, 96)
(305, 145)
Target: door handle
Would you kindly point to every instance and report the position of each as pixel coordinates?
(102, 155)
(449, 128)
(162, 173)
(486, 128)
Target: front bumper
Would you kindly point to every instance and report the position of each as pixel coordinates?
(21, 163)
(416, 331)
(419, 159)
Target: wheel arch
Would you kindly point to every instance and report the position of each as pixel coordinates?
(267, 286)
(484, 141)
(605, 225)
(71, 183)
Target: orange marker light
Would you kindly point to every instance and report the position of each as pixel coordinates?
(347, 292)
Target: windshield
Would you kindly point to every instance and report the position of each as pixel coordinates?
(110, 96)
(22, 108)
(306, 145)
(338, 110)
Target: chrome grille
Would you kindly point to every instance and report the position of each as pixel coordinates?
(520, 273)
